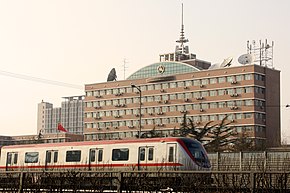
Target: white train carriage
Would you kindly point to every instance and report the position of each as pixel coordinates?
(141, 154)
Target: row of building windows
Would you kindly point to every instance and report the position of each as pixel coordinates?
(198, 82)
(159, 110)
(233, 92)
(174, 120)
(165, 133)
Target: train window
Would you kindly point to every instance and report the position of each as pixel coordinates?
(142, 153)
(73, 156)
(9, 158)
(31, 157)
(15, 158)
(48, 157)
(150, 154)
(100, 156)
(92, 155)
(55, 156)
(120, 154)
(170, 157)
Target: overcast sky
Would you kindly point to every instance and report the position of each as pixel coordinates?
(78, 42)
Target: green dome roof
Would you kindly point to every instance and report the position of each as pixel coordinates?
(168, 68)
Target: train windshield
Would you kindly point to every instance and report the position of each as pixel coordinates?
(198, 152)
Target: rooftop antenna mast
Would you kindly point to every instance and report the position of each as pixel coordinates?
(182, 39)
(263, 52)
(182, 51)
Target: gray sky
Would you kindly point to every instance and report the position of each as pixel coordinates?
(78, 42)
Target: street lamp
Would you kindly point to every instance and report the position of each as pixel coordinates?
(140, 115)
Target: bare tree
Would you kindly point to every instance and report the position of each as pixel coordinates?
(152, 134)
(221, 136)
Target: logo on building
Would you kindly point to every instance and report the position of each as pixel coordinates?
(161, 69)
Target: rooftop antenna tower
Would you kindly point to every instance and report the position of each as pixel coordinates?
(263, 52)
(182, 39)
(182, 51)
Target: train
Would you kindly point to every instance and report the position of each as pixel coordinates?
(173, 153)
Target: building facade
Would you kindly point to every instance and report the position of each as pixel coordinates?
(70, 115)
(158, 95)
(248, 95)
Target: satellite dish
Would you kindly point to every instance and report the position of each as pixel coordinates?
(246, 59)
(227, 62)
(214, 66)
(112, 75)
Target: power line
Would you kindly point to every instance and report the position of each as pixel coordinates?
(42, 80)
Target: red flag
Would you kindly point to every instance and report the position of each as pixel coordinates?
(61, 128)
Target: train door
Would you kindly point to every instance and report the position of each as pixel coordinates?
(51, 159)
(145, 158)
(11, 160)
(171, 154)
(95, 157)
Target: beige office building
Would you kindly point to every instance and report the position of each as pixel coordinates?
(248, 94)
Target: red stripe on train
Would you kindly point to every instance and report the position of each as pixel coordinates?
(92, 165)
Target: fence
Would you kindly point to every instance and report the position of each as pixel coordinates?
(250, 161)
(130, 181)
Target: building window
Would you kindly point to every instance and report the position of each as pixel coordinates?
(188, 83)
(172, 96)
(248, 102)
(180, 84)
(172, 108)
(196, 82)
(150, 87)
(164, 85)
(204, 106)
(248, 89)
(248, 76)
(212, 93)
(180, 96)
(204, 81)
(212, 80)
(157, 86)
(188, 95)
(230, 79)
(212, 117)
(221, 80)
(109, 91)
(247, 115)
(204, 93)
(239, 77)
(213, 105)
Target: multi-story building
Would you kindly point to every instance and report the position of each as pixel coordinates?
(70, 115)
(248, 95)
(41, 115)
